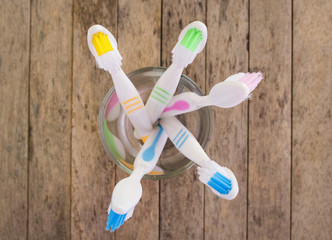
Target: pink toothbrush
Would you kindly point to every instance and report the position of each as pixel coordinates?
(229, 93)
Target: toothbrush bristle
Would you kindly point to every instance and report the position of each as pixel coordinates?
(220, 179)
(251, 80)
(191, 39)
(220, 183)
(101, 43)
(114, 220)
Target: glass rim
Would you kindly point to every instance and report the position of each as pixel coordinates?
(101, 117)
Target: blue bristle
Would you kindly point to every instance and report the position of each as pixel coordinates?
(217, 187)
(220, 183)
(219, 175)
(110, 217)
(220, 178)
(115, 220)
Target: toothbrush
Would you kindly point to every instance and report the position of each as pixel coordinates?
(229, 93)
(219, 179)
(113, 108)
(192, 40)
(103, 47)
(128, 191)
(114, 143)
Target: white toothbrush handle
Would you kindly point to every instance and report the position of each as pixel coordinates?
(149, 154)
(183, 103)
(163, 91)
(132, 103)
(225, 94)
(184, 141)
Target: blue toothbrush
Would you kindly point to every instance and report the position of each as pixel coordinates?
(128, 191)
(219, 179)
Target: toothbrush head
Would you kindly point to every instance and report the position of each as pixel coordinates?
(192, 40)
(251, 80)
(101, 43)
(235, 89)
(219, 179)
(103, 47)
(115, 220)
(125, 197)
(228, 93)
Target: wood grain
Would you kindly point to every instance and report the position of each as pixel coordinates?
(14, 94)
(227, 54)
(93, 173)
(312, 121)
(139, 45)
(270, 121)
(50, 120)
(56, 179)
(182, 197)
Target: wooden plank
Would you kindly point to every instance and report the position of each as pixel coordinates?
(14, 79)
(93, 173)
(270, 121)
(227, 54)
(139, 45)
(312, 120)
(182, 197)
(50, 119)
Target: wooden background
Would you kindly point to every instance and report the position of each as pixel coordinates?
(55, 177)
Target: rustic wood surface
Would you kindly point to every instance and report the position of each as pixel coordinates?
(50, 120)
(56, 179)
(270, 120)
(312, 121)
(14, 120)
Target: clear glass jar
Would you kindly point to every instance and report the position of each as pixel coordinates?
(117, 132)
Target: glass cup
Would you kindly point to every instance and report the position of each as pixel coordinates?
(117, 133)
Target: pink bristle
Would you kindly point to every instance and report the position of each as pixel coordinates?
(251, 80)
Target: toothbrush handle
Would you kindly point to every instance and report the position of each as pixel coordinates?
(183, 103)
(132, 103)
(184, 141)
(224, 94)
(149, 154)
(163, 91)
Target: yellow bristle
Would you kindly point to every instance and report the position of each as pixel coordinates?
(101, 43)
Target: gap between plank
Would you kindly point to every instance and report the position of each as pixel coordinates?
(29, 142)
(71, 118)
(291, 140)
(248, 107)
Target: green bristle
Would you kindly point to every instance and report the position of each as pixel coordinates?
(191, 39)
